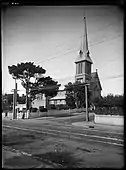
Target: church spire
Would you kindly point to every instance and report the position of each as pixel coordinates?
(84, 42)
(84, 52)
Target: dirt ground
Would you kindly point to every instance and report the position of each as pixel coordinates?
(66, 152)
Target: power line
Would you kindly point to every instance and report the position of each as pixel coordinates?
(58, 55)
(106, 39)
(107, 78)
(79, 49)
(112, 77)
(109, 25)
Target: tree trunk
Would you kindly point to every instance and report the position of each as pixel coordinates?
(27, 100)
(47, 102)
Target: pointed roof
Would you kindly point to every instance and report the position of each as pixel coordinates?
(95, 78)
(84, 39)
(84, 52)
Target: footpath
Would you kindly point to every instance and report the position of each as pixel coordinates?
(100, 127)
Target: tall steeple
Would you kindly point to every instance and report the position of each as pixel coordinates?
(84, 42)
(84, 52)
(83, 61)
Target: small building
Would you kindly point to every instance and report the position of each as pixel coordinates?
(59, 99)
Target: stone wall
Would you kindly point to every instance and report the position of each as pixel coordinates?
(109, 119)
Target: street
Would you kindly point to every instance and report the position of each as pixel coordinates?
(58, 143)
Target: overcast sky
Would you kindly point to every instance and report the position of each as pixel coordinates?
(50, 37)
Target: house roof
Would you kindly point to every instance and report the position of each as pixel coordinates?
(58, 98)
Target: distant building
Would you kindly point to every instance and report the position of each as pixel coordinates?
(39, 101)
(20, 107)
(60, 98)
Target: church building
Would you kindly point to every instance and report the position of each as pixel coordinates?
(83, 67)
(83, 74)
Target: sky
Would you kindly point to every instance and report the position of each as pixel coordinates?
(51, 37)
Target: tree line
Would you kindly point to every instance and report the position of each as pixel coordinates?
(33, 80)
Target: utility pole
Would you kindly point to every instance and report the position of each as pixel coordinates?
(15, 100)
(86, 98)
(86, 101)
(13, 104)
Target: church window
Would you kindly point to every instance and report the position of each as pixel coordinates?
(79, 68)
(88, 68)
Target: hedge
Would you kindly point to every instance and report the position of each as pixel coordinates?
(109, 111)
(42, 109)
(34, 109)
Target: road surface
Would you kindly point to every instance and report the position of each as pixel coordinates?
(63, 144)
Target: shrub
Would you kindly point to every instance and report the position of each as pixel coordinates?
(52, 106)
(42, 109)
(34, 109)
(109, 110)
(61, 107)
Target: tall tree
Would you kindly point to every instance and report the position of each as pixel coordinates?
(45, 85)
(77, 90)
(24, 72)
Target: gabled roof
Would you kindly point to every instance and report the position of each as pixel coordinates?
(95, 78)
(58, 98)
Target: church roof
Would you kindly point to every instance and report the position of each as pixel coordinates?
(95, 78)
(83, 57)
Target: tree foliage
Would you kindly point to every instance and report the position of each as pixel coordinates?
(6, 103)
(70, 101)
(109, 101)
(21, 99)
(19, 70)
(75, 94)
(44, 85)
(26, 71)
